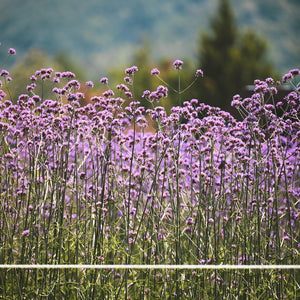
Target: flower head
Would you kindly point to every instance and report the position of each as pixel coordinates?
(286, 77)
(295, 72)
(72, 97)
(67, 74)
(155, 71)
(199, 73)
(146, 93)
(25, 232)
(270, 80)
(132, 70)
(127, 79)
(178, 64)
(90, 84)
(12, 51)
(104, 80)
(4, 73)
(108, 93)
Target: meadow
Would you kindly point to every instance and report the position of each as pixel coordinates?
(113, 183)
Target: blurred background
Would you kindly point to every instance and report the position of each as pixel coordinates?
(232, 41)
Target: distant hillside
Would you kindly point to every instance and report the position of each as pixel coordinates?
(101, 33)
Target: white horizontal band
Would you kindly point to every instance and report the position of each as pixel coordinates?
(151, 267)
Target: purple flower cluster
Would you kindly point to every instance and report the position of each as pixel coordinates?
(211, 190)
(11, 51)
(131, 71)
(178, 64)
(222, 170)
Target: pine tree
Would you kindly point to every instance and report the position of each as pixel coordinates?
(230, 59)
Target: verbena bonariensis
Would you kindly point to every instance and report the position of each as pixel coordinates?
(92, 184)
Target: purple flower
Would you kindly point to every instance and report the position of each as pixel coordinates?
(127, 79)
(25, 232)
(162, 91)
(12, 51)
(2, 95)
(90, 84)
(178, 64)
(155, 71)
(190, 221)
(73, 83)
(295, 72)
(122, 87)
(33, 78)
(95, 99)
(132, 70)
(129, 95)
(4, 73)
(23, 97)
(199, 73)
(270, 80)
(146, 93)
(153, 97)
(67, 74)
(108, 93)
(104, 80)
(72, 97)
(286, 77)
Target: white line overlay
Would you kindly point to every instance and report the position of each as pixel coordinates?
(154, 267)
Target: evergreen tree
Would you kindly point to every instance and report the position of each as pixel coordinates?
(230, 59)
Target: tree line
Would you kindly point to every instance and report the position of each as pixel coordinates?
(230, 59)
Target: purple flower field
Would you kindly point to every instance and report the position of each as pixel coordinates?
(113, 183)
